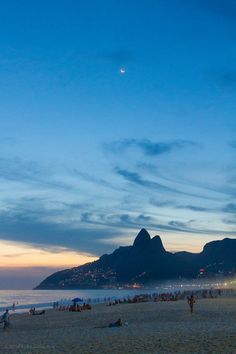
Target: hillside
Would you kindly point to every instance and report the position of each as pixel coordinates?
(146, 262)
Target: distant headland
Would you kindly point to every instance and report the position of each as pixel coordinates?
(146, 262)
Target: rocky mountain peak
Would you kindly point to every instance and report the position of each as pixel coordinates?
(142, 239)
(157, 244)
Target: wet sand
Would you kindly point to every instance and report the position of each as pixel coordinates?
(162, 327)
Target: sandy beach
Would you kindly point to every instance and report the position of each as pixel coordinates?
(153, 327)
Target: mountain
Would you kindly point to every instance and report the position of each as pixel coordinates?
(146, 262)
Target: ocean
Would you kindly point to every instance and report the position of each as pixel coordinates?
(24, 299)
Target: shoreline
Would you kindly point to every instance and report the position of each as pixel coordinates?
(153, 327)
(151, 295)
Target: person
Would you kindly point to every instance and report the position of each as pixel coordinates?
(13, 306)
(118, 323)
(6, 319)
(33, 311)
(191, 302)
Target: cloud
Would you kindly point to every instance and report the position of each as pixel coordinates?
(95, 180)
(52, 230)
(172, 204)
(177, 225)
(193, 208)
(49, 235)
(229, 208)
(147, 167)
(137, 179)
(52, 226)
(86, 217)
(148, 221)
(140, 220)
(14, 255)
(116, 220)
(162, 204)
(29, 172)
(229, 221)
(148, 147)
(137, 221)
(16, 169)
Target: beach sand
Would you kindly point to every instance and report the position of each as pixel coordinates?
(163, 327)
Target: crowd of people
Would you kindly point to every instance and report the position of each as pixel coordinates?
(169, 296)
(79, 308)
(190, 296)
(75, 307)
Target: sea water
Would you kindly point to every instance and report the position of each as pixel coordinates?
(25, 299)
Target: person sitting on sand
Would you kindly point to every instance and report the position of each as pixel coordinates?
(86, 306)
(191, 302)
(118, 323)
(33, 311)
(78, 308)
(5, 319)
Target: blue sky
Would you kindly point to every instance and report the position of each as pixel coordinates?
(89, 155)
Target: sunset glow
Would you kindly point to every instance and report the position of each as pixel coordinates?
(22, 255)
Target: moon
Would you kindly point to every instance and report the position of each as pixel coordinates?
(122, 71)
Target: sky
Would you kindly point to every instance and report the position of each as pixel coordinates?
(114, 115)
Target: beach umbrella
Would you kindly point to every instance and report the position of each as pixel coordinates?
(77, 299)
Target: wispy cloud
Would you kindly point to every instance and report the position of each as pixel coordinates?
(137, 179)
(95, 180)
(29, 172)
(148, 147)
(79, 228)
(51, 234)
(229, 222)
(134, 221)
(174, 204)
(193, 208)
(229, 208)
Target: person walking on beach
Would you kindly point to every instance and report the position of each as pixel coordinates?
(191, 302)
(6, 319)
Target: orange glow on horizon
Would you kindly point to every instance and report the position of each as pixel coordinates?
(14, 254)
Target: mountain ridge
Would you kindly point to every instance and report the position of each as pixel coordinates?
(145, 262)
